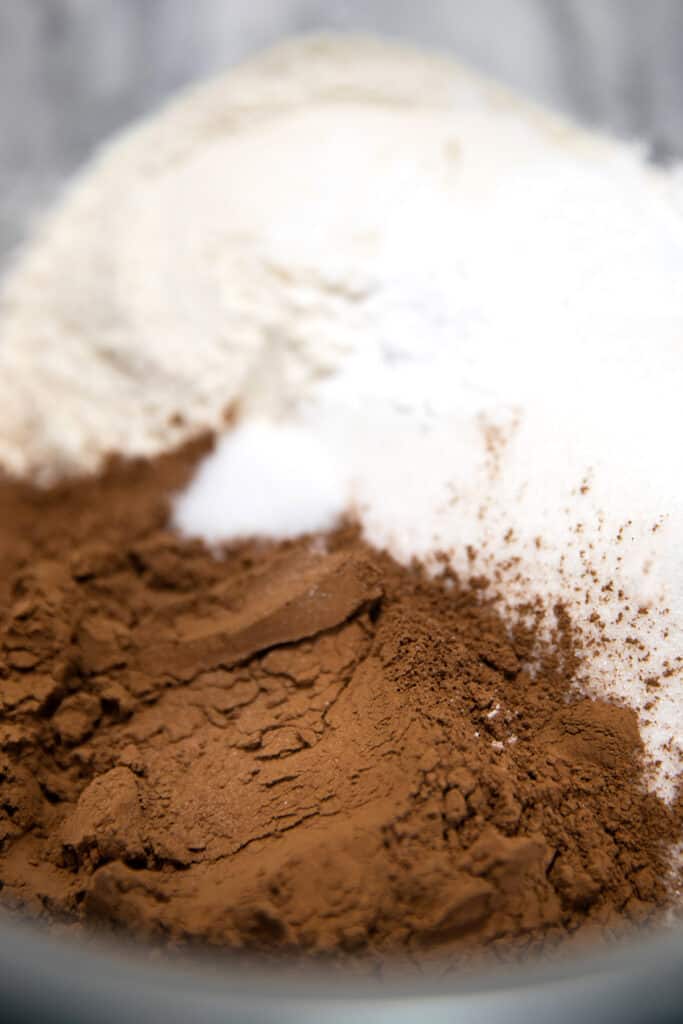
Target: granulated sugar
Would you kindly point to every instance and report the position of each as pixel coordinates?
(533, 499)
(471, 308)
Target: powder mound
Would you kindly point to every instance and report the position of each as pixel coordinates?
(299, 746)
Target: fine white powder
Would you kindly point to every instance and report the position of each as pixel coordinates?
(264, 480)
(455, 316)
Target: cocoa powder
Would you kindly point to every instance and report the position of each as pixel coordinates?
(300, 746)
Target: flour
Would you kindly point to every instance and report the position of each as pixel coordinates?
(471, 308)
(330, 195)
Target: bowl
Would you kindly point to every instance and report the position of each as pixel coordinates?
(72, 74)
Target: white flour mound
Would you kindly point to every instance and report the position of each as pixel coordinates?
(467, 309)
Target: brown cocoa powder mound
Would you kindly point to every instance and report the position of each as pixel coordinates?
(298, 747)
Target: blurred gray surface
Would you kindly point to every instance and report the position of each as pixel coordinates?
(74, 71)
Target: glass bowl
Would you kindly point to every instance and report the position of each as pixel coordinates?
(72, 73)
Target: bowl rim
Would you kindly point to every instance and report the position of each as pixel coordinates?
(65, 976)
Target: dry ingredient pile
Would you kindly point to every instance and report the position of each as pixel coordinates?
(439, 282)
(435, 707)
(299, 746)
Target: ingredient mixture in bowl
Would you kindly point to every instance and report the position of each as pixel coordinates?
(340, 590)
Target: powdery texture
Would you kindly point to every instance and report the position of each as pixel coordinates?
(299, 747)
(264, 480)
(415, 209)
(472, 307)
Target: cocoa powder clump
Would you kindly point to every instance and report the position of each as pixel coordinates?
(299, 747)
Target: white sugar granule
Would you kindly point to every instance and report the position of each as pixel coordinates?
(464, 313)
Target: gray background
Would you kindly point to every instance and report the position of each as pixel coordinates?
(74, 71)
